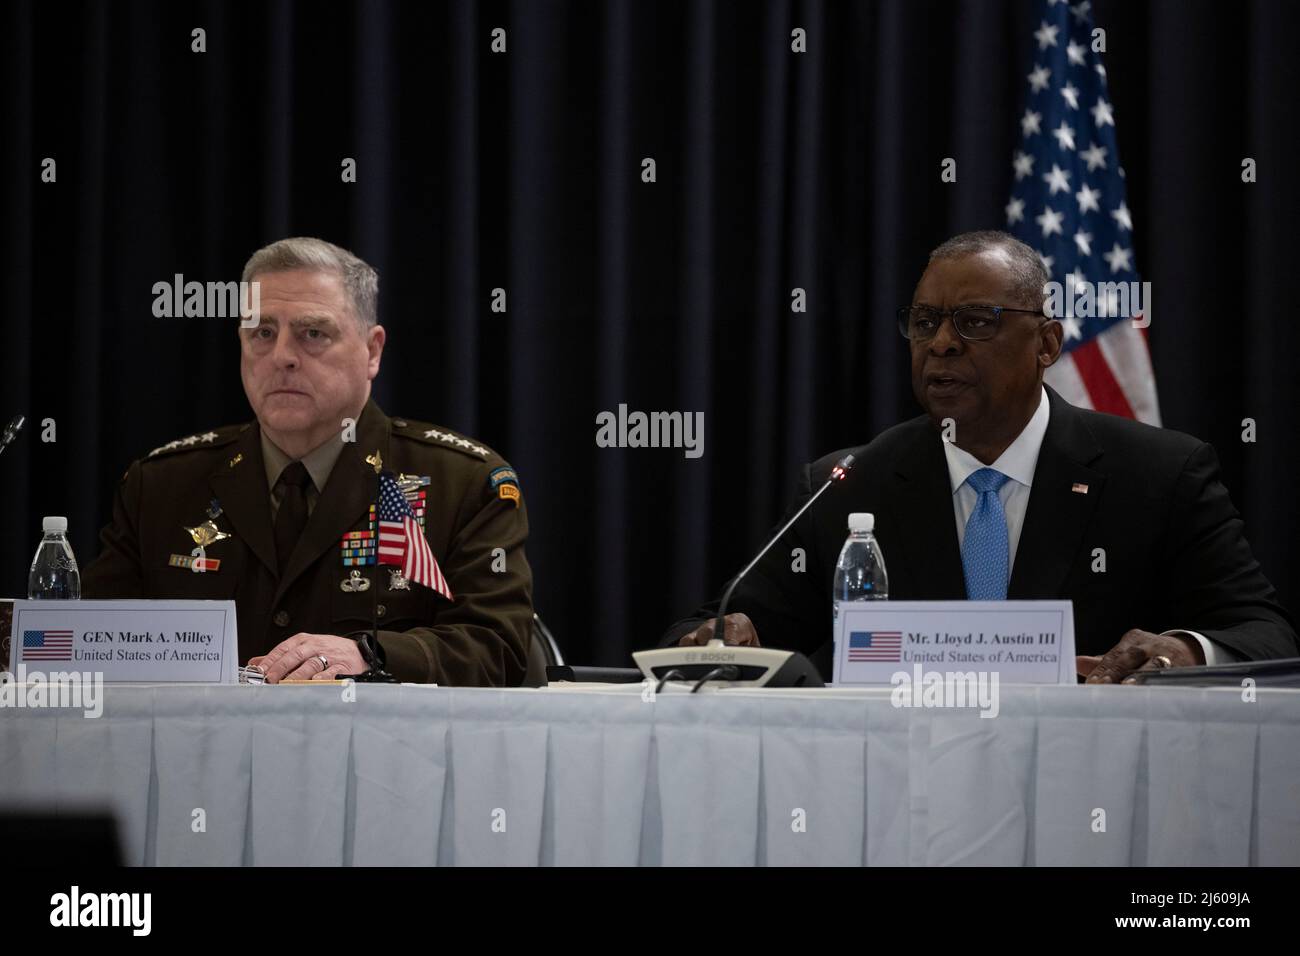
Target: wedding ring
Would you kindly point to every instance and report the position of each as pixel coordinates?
(1163, 661)
(325, 663)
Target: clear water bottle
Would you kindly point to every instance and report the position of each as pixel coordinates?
(860, 572)
(54, 573)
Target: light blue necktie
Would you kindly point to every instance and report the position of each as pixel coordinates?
(984, 549)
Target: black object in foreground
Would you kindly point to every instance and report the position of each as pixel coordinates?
(85, 839)
(597, 675)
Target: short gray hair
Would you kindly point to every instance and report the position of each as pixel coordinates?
(1027, 269)
(360, 280)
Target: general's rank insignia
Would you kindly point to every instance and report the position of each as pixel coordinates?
(506, 484)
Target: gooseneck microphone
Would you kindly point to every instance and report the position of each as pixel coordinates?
(11, 430)
(838, 473)
(734, 664)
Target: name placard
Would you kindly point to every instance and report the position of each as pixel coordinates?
(1024, 642)
(127, 642)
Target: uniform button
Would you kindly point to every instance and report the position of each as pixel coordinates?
(381, 610)
(397, 422)
(281, 619)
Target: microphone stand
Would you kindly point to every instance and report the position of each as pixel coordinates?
(11, 431)
(838, 473)
(754, 666)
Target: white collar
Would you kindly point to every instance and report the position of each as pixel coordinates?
(1017, 462)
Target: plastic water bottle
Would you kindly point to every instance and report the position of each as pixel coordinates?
(54, 573)
(860, 571)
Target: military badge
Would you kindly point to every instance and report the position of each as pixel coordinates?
(207, 533)
(354, 583)
(412, 483)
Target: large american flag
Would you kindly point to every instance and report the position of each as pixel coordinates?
(1068, 203)
(402, 541)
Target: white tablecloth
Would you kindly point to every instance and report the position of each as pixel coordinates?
(422, 775)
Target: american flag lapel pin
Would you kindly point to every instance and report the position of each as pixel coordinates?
(1079, 488)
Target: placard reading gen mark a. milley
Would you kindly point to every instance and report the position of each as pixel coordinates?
(127, 641)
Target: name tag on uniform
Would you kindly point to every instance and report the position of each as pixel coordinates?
(903, 642)
(126, 642)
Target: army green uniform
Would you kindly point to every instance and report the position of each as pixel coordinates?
(475, 523)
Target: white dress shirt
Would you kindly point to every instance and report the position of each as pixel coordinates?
(1018, 463)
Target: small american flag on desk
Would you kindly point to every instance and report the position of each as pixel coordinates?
(402, 541)
(875, 646)
(47, 646)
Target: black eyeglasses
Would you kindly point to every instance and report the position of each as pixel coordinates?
(975, 323)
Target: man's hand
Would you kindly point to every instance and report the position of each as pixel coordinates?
(299, 658)
(1140, 651)
(739, 630)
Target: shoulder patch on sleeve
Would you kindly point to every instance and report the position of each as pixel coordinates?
(504, 474)
(505, 483)
(208, 439)
(433, 435)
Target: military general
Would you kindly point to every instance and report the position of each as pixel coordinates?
(284, 514)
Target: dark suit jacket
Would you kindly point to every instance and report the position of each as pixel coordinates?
(1176, 555)
(480, 638)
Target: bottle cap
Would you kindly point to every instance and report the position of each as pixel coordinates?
(862, 521)
(54, 525)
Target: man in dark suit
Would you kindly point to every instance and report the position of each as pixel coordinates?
(1004, 490)
(276, 513)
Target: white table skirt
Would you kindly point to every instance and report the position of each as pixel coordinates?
(421, 775)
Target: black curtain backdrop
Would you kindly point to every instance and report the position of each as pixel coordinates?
(523, 171)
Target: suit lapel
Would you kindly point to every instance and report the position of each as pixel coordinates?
(1057, 516)
(926, 522)
(239, 484)
(351, 489)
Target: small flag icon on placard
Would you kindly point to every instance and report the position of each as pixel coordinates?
(875, 646)
(47, 646)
